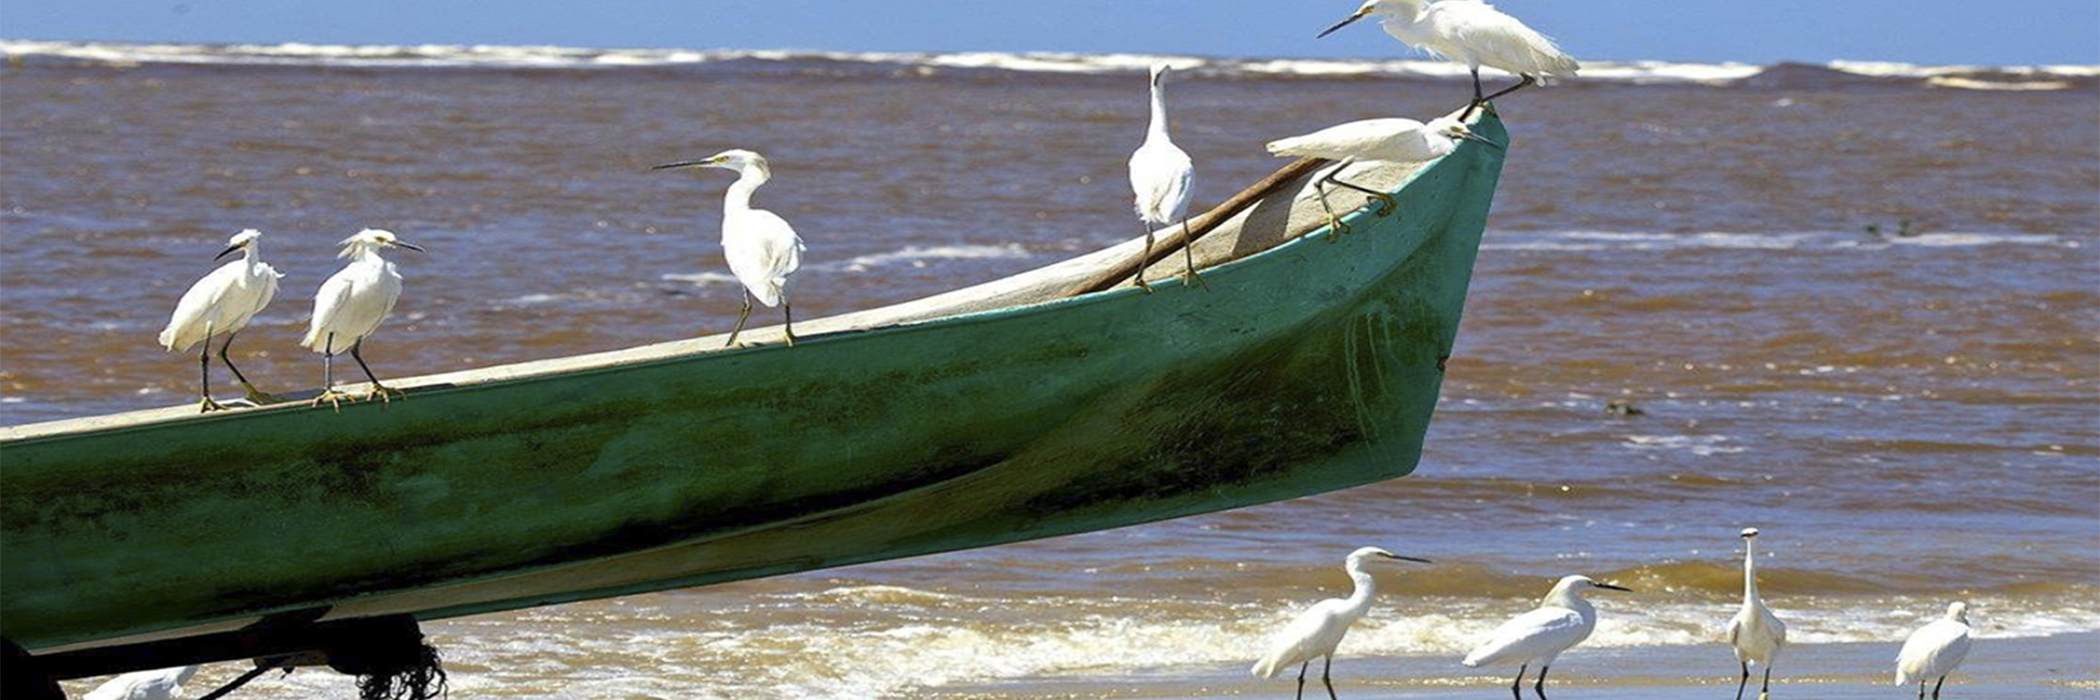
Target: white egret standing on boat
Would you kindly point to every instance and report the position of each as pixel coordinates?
(221, 304)
(1394, 140)
(1473, 33)
(1560, 622)
(350, 306)
(1755, 632)
(1935, 650)
(1161, 175)
(761, 248)
(1315, 633)
(161, 684)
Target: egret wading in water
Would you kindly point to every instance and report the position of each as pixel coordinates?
(1560, 622)
(1934, 651)
(161, 684)
(350, 305)
(1161, 175)
(221, 304)
(761, 248)
(1473, 33)
(1393, 140)
(1755, 632)
(1316, 632)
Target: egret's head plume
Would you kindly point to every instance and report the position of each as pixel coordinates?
(1958, 610)
(245, 237)
(373, 239)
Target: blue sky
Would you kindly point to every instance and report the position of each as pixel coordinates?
(1993, 32)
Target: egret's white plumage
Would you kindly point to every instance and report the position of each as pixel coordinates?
(1162, 176)
(221, 304)
(1473, 33)
(1562, 620)
(351, 305)
(1315, 633)
(1755, 632)
(161, 684)
(1395, 139)
(761, 248)
(1935, 650)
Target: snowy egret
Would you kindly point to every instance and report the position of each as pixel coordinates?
(1393, 140)
(221, 304)
(762, 249)
(144, 685)
(1561, 621)
(1161, 176)
(350, 306)
(1474, 33)
(1934, 650)
(1755, 632)
(1316, 632)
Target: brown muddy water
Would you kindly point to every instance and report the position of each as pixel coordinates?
(1910, 418)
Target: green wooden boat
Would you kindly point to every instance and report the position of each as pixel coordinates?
(1024, 408)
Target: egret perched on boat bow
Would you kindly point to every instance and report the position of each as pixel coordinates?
(1315, 633)
(1394, 140)
(761, 248)
(1755, 632)
(1934, 651)
(1474, 33)
(1161, 175)
(350, 306)
(161, 684)
(221, 304)
(1560, 622)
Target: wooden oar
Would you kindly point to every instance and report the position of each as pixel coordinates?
(1178, 236)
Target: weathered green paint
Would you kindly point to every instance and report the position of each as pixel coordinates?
(1306, 368)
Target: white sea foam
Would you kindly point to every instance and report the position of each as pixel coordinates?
(576, 58)
(922, 256)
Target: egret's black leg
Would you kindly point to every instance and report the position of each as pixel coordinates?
(787, 311)
(1745, 683)
(253, 394)
(1325, 668)
(1386, 205)
(1528, 81)
(1921, 690)
(740, 319)
(1188, 255)
(384, 392)
(1335, 227)
(328, 393)
(1145, 260)
(1767, 689)
(1516, 688)
(1301, 678)
(1935, 687)
(1540, 687)
(1475, 104)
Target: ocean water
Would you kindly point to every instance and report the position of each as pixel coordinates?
(1911, 417)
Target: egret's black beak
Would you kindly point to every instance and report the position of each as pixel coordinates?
(1482, 139)
(1338, 25)
(228, 251)
(683, 164)
(1611, 587)
(410, 246)
(1417, 560)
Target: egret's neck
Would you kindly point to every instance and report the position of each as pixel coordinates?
(365, 253)
(1565, 597)
(1750, 572)
(1158, 131)
(253, 256)
(1359, 600)
(747, 181)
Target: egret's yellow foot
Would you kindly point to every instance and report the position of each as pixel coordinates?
(334, 399)
(206, 405)
(1386, 205)
(1192, 279)
(1142, 285)
(259, 397)
(385, 394)
(1335, 228)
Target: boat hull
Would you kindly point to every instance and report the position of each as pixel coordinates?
(1306, 368)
